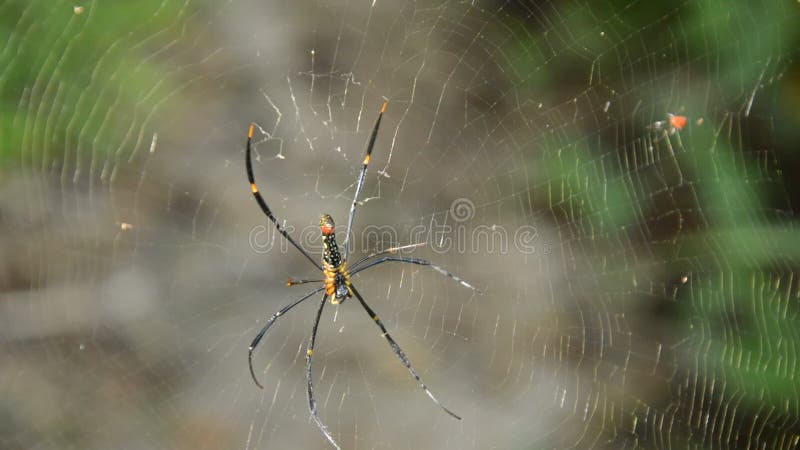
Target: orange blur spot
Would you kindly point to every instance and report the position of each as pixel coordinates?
(253, 188)
(250, 132)
(677, 122)
(366, 160)
(383, 107)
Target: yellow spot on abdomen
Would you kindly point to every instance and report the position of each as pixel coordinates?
(253, 188)
(309, 352)
(366, 160)
(383, 107)
(250, 132)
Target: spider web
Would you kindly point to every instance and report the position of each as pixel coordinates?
(639, 280)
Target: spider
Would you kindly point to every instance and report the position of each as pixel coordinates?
(337, 284)
(673, 124)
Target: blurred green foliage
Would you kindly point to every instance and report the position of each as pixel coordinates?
(707, 60)
(74, 83)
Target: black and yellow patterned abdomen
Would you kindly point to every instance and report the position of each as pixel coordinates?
(337, 280)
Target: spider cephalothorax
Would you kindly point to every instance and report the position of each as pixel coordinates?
(337, 280)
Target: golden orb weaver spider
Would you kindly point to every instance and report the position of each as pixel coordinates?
(337, 285)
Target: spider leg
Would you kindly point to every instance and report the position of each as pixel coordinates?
(312, 404)
(361, 177)
(391, 250)
(398, 351)
(292, 282)
(263, 204)
(269, 323)
(419, 262)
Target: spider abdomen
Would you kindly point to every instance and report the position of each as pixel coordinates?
(337, 279)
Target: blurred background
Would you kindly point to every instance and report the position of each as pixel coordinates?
(618, 178)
